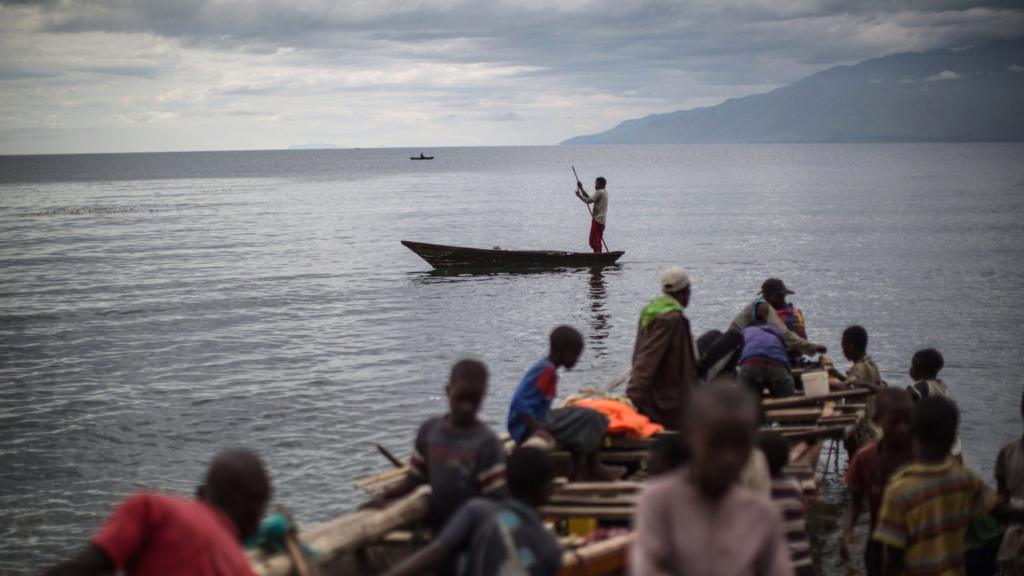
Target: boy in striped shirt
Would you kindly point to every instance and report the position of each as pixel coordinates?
(929, 504)
(788, 496)
(457, 454)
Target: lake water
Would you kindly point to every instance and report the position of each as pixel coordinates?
(157, 308)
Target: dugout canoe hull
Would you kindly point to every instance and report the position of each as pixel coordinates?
(444, 257)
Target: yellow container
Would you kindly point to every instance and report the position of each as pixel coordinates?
(582, 526)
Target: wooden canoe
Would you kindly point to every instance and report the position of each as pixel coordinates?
(457, 257)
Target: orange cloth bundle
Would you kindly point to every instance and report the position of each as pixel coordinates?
(622, 419)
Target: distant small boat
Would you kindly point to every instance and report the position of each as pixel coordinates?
(421, 157)
(458, 257)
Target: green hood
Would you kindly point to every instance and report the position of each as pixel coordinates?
(660, 305)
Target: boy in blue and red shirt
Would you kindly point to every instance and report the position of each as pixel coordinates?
(578, 430)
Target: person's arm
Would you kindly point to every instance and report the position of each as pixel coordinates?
(455, 536)
(416, 476)
(546, 383)
(1001, 488)
(793, 340)
(850, 523)
(491, 466)
(423, 561)
(726, 344)
(409, 483)
(91, 561)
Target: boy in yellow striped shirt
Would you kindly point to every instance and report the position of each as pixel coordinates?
(929, 504)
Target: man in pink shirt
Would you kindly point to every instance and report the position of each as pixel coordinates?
(159, 535)
(697, 520)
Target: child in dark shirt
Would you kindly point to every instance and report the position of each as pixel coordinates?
(579, 430)
(491, 537)
(457, 454)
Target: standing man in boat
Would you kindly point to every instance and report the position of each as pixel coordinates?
(664, 357)
(599, 213)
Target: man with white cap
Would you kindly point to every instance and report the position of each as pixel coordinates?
(664, 358)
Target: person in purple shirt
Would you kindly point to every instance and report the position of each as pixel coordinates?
(764, 362)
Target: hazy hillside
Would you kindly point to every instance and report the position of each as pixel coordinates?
(942, 95)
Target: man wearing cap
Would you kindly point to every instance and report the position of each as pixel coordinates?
(664, 358)
(774, 292)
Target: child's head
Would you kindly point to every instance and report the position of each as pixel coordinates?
(466, 389)
(894, 409)
(776, 450)
(529, 473)
(237, 483)
(854, 343)
(566, 346)
(935, 422)
(926, 364)
(721, 422)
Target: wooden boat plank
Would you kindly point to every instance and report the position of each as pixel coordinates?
(600, 512)
(797, 401)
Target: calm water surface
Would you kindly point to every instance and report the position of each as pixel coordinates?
(157, 308)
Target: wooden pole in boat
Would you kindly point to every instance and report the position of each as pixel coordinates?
(391, 457)
(579, 186)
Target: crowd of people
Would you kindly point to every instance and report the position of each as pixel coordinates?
(717, 502)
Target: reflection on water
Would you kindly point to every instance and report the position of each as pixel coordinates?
(600, 325)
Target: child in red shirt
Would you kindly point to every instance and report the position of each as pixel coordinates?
(873, 465)
(158, 535)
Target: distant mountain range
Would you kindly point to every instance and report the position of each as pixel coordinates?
(972, 95)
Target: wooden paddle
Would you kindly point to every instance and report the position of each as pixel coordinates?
(579, 186)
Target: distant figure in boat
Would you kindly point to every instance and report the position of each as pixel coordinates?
(156, 534)
(599, 213)
(457, 454)
(697, 519)
(578, 430)
(664, 363)
(498, 537)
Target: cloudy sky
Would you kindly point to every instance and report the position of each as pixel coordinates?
(146, 75)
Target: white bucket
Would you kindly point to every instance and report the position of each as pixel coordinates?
(815, 383)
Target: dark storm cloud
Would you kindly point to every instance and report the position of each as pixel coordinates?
(546, 66)
(562, 34)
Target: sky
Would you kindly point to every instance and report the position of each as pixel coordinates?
(154, 75)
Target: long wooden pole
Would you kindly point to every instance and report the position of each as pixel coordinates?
(579, 186)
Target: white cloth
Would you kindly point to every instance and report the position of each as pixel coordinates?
(600, 201)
